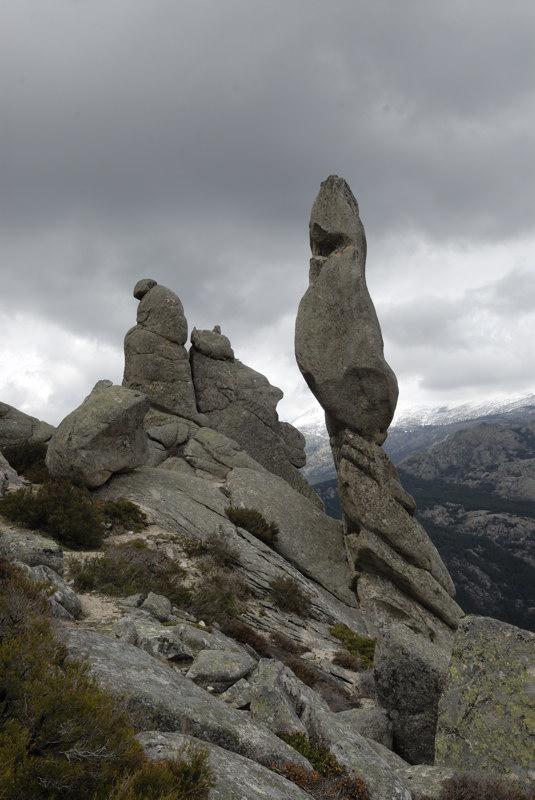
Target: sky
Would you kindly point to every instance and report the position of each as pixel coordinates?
(186, 140)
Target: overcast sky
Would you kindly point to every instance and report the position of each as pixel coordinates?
(185, 140)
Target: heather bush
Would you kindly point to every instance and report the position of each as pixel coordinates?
(289, 596)
(283, 642)
(254, 522)
(343, 658)
(131, 568)
(320, 787)
(245, 634)
(220, 595)
(470, 786)
(215, 549)
(328, 780)
(122, 514)
(360, 646)
(60, 735)
(60, 509)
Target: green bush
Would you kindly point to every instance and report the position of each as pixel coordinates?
(131, 568)
(60, 509)
(289, 596)
(360, 646)
(254, 522)
(317, 754)
(122, 514)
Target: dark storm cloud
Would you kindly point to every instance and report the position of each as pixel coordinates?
(186, 141)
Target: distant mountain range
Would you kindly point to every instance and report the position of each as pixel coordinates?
(471, 470)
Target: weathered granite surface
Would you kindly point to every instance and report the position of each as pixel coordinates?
(487, 711)
(103, 435)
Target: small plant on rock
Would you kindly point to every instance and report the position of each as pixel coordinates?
(254, 522)
(289, 596)
(328, 780)
(360, 646)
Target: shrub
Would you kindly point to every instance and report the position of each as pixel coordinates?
(329, 779)
(343, 658)
(288, 645)
(28, 460)
(132, 568)
(319, 756)
(289, 596)
(60, 735)
(361, 646)
(185, 777)
(469, 786)
(341, 787)
(219, 596)
(304, 671)
(254, 522)
(245, 634)
(217, 549)
(60, 509)
(122, 514)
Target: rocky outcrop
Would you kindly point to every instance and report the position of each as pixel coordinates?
(103, 435)
(241, 403)
(255, 781)
(17, 428)
(487, 711)
(409, 677)
(399, 577)
(156, 361)
(338, 342)
(31, 549)
(166, 700)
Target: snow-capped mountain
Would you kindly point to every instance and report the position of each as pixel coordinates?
(412, 431)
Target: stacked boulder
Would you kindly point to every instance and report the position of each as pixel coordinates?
(209, 390)
(402, 585)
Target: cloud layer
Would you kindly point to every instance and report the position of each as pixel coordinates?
(186, 142)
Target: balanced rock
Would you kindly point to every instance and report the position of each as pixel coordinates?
(338, 342)
(103, 435)
(156, 361)
(242, 404)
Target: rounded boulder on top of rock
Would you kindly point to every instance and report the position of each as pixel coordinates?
(338, 341)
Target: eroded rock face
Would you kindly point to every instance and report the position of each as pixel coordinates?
(18, 428)
(338, 342)
(103, 435)
(487, 711)
(242, 404)
(156, 361)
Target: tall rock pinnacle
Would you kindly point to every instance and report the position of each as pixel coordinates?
(338, 342)
(403, 588)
